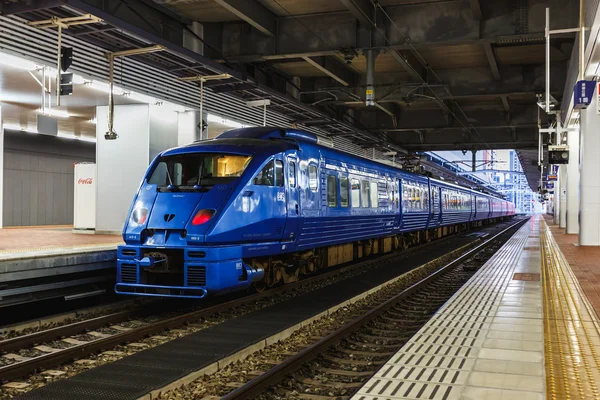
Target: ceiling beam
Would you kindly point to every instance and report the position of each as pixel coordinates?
(8, 7)
(328, 33)
(361, 9)
(504, 98)
(407, 66)
(325, 66)
(253, 13)
(491, 57)
(476, 9)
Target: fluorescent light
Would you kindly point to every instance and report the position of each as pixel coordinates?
(74, 137)
(16, 127)
(53, 112)
(104, 87)
(142, 98)
(17, 62)
(224, 121)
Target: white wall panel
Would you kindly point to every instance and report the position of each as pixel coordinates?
(121, 163)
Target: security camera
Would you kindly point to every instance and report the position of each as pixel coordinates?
(111, 135)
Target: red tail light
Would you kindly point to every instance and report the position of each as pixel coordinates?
(202, 216)
(140, 215)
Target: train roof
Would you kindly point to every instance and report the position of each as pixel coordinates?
(271, 140)
(235, 145)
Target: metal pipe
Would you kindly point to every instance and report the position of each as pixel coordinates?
(370, 92)
(202, 109)
(58, 66)
(581, 41)
(547, 59)
(111, 104)
(43, 88)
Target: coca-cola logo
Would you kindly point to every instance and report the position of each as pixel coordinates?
(86, 181)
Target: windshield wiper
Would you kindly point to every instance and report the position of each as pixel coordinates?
(171, 187)
(197, 186)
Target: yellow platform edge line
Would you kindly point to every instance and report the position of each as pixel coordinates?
(562, 325)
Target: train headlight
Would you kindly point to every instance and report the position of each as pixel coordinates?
(202, 216)
(139, 215)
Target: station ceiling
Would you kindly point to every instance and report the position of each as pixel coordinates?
(449, 74)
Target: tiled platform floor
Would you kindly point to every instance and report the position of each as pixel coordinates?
(519, 329)
(584, 261)
(31, 239)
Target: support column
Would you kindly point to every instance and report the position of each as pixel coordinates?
(562, 171)
(144, 130)
(573, 184)
(556, 201)
(1, 168)
(589, 176)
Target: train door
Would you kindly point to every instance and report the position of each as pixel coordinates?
(267, 202)
(293, 200)
(396, 202)
(401, 201)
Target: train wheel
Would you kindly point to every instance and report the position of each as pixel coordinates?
(260, 286)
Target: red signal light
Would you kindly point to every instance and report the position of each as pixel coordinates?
(202, 216)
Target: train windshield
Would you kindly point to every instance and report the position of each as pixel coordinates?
(191, 171)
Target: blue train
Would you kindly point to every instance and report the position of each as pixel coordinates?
(263, 206)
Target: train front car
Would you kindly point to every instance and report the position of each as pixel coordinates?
(191, 213)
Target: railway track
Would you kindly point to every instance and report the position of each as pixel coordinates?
(26, 354)
(339, 363)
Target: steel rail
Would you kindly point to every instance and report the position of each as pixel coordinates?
(22, 368)
(274, 375)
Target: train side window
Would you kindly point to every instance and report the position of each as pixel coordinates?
(355, 193)
(313, 181)
(266, 177)
(332, 191)
(292, 174)
(364, 194)
(374, 192)
(344, 189)
(278, 173)
(425, 198)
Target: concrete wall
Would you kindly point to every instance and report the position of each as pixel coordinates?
(38, 178)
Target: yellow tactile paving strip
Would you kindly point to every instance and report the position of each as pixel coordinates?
(571, 329)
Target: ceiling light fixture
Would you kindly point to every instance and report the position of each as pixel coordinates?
(74, 137)
(224, 121)
(53, 113)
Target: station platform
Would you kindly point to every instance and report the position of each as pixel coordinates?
(521, 328)
(46, 240)
(47, 261)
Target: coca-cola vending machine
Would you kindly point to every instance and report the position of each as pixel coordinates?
(84, 208)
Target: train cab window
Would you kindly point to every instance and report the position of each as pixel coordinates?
(355, 193)
(344, 191)
(364, 194)
(374, 192)
(332, 191)
(313, 181)
(278, 173)
(292, 174)
(266, 177)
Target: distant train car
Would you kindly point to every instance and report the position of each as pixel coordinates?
(262, 206)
